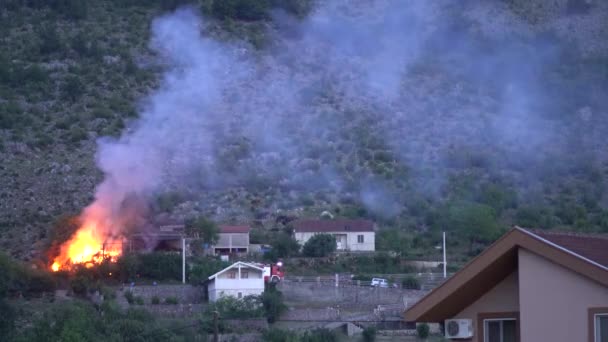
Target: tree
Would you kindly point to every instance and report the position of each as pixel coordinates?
(422, 330)
(204, 229)
(203, 268)
(476, 222)
(319, 245)
(369, 334)
(240, 9)
(73, 88)
(410, 282)
(284, 245)
(272, 300)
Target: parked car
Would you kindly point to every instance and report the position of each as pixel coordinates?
(379, 282)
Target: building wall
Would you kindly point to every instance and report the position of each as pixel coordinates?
(504, 297)
(352, 244)
(232, 240)
(554, 301)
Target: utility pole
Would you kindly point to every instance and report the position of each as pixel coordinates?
(445, 268)
(215, 326)
(183, 260)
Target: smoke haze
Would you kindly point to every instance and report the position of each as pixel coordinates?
(375, 101)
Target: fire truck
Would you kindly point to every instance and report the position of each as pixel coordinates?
(273, 273)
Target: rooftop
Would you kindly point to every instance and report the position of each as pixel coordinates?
(590, 246)
(234, 229)
(584, 254)
(330, 226)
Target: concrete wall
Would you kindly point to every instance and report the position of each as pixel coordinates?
(183, 293)
(554, 301)
(349, 240)
(504, 297)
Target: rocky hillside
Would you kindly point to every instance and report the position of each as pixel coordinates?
(482, 114)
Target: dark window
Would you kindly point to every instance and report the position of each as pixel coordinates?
(240, 295)
(601, 328)
(360, 238)
(500, 330)
(244, 274)
(232, 275)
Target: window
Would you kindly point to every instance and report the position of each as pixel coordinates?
(244, 274)
(240, 295)
(601, 327)
(232, 275)
(500, 330)
(598, 324)
(360, 238)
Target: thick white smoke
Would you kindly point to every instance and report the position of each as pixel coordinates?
(402, 84)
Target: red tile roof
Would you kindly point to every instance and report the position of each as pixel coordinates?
(592, 247)
(234, 229)
(339, 225)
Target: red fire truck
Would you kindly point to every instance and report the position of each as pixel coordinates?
(273, 273)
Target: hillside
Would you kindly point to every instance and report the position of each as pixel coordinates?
(469, 117)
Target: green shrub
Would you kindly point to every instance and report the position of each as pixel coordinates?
(411, 283)
(108, 293)
(77, 134)
(249, 10)
(319, 335)
(369, 334)
(202, 268)
(278, 335)
(50, 41)
(422, 330)
(139, 300)
(272, 300)
(79, 285)
(320, 245)
(283, 245)
(171, 300)
(160, 266)
(155, 300)
(362, 277)
(73, 88)
(129, 297)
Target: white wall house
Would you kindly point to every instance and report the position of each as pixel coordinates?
(238, 280)
(351, 235)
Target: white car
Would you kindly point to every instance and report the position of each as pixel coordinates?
(380, 282)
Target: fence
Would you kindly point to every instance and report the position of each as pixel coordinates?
(427, 281)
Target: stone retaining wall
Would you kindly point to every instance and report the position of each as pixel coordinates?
(185, 294)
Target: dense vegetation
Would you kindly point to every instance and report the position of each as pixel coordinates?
(72, 71)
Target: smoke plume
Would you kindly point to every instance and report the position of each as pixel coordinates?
(367, 99)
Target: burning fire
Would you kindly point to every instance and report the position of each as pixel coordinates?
(91, 244)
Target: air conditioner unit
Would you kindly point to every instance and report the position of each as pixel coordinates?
(458, 328)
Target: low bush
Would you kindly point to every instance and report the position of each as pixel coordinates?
(320, 245)
(129, 297)
(369, 334)
(422, 330)
(171, 300)
(410, 283)
(155, 300)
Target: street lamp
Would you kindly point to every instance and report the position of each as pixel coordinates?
(445, 270)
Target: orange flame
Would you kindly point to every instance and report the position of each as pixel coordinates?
(91, 244)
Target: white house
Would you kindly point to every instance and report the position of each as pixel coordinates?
(238, 280)
(351, 235)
